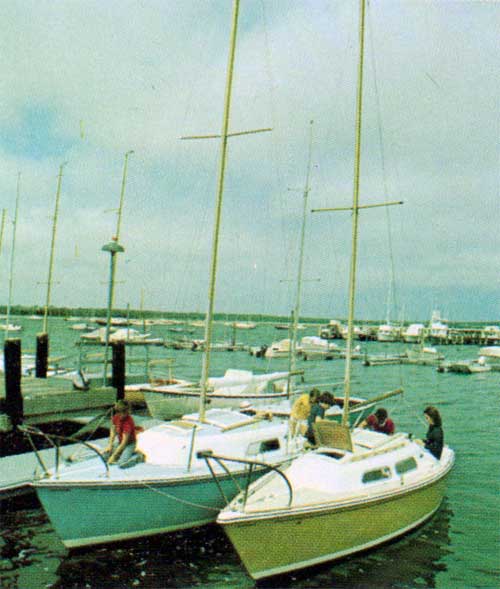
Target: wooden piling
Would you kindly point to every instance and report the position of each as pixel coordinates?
(13, 394)
(118, 376)
(42, 355)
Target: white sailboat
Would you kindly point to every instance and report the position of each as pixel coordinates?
(92, 503)
(356, 491)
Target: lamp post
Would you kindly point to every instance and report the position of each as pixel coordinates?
(113, 247)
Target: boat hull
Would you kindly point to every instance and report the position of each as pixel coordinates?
(85, 515)
(175, 404)
(322, 535)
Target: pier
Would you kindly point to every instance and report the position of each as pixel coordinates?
(49, 399)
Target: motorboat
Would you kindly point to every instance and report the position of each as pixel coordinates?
(357, 332)
(90, 502)
(414, 333)
(388, 333)
(134, 336)
(491, 355)
(332, 330)
(313, 347)
(438, 329)
(97, 335)
(469, 366)
(127, 335)
(279, 349)
(335, 501)
(10, 327)
(426, 355)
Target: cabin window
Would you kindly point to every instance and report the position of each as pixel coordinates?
(378, 474)
(406, 465)
(262, 447)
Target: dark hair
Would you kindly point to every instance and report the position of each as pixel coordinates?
(327, 398)
(314, 394)
(381, 414)
(433, 413)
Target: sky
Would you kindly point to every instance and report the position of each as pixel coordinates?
(85, 82)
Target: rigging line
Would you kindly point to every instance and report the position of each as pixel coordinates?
(178, 499)
(281, 189)
(392, 290)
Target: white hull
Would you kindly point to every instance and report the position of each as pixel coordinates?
(174, 404)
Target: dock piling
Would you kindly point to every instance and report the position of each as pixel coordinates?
(13, 395)
(42, 354)
(118, 363)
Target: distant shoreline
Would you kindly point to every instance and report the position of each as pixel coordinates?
(87, 313)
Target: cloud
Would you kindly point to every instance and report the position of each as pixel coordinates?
(91, 81)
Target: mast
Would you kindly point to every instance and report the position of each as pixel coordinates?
(355, 216)
(2, 227)
(355, 208)
(113, 248)
(218, 209)
(122, 196)
(296, 313)
(12, 252)
(52, 248)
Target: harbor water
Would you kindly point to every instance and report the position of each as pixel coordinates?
(458, 548)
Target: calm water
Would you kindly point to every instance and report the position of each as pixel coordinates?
(458, 548)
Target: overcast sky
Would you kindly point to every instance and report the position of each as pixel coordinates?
(84, 82)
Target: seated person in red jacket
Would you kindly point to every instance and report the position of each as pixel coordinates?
(379, 422)
(123, 429)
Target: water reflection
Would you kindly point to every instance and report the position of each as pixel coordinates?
(32, 556)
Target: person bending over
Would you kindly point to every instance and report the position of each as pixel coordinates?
(379, 422)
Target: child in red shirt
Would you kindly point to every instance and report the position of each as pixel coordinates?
(123, 428)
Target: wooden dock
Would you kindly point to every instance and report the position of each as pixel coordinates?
(49, 399)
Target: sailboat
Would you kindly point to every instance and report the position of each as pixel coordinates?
(90, 502)
(357, 490)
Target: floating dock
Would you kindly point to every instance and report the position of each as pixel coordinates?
(52, 398)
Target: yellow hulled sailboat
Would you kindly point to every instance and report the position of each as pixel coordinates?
(356, 490)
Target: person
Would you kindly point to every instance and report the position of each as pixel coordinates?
(379, 422)
(123, 429)
(435, 437)
(300, 411)
(324, 401)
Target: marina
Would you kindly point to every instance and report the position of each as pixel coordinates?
(250, 326)
(451, 549)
